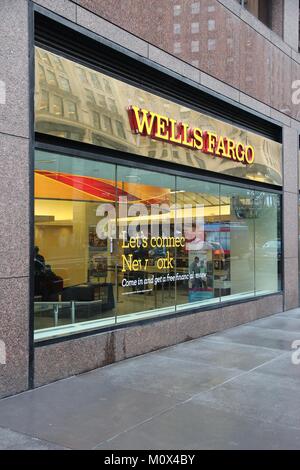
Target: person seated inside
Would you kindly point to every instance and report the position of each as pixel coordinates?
(46, 283)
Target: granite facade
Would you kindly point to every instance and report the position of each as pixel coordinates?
(215, 44)
(290, 217)
(14, 196)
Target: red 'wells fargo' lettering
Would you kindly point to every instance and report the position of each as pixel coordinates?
(154, 125)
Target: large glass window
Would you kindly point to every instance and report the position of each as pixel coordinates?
(115, 243)
(75, 270)
(238, 213)
(268, 245)
(146, 220)
(199, 260)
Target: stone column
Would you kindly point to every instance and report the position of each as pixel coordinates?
(291, 23)
(290, 217)
(14, 196)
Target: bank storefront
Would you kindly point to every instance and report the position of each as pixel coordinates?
(144, 207)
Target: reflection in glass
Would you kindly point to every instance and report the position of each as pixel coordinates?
(268, 249)
(45, 57)
(96, 120)
(51, 78)
(44, 101)
(117, 244)
(239, 210)
(64, 84)
(90, 96)
(41, 72)
(146, 263)
(107, 125)
(82, 74)
(71, 111)
(75, 278)
(120, 129)
(201, 258)
(58, 63)
(112, 106)
(101, 100)
(95, 80)
(107, 86)
(57, 105)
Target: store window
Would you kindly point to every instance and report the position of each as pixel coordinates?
(146, 219)
(268, 244)
(115, 243)
(198, 209)
(75, 271)
(118, 243)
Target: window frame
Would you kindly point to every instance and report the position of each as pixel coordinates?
(129, 160)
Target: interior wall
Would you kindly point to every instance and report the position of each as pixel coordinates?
(64, 242)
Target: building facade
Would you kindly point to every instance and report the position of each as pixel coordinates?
(149, 174)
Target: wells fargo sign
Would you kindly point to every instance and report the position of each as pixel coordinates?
(156, 126)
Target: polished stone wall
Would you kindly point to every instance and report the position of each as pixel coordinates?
(290, 221)
(14, 195)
